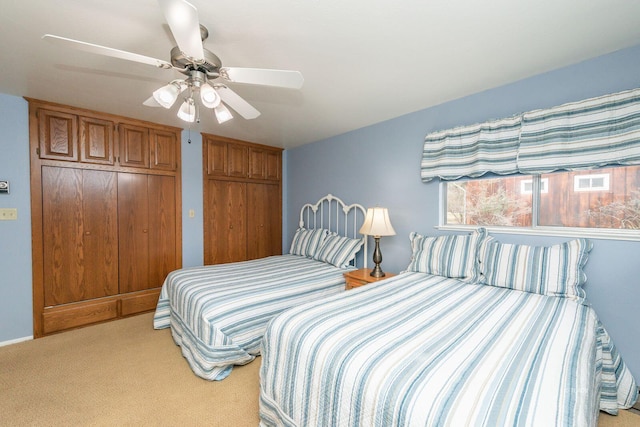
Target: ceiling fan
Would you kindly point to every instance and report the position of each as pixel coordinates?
(201, 67)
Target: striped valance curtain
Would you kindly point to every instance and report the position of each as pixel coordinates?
(588, 134)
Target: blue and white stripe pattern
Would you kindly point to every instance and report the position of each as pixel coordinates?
(338, 250)
(582, 135)
(452, 255)
(548, 270)
(593, 133)
(472, 151)
(422, 350)
(306, 242)
(218, 313)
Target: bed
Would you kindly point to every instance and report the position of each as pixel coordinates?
(218, 313)
(507, 338)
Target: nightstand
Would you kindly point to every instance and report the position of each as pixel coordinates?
(362, 277)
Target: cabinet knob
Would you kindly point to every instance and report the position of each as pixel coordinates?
(145, 231)
(87, 233)
(230, 227)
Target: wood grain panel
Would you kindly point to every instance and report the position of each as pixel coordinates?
(256, 163)
(238, 158)
(133, 232)
(58, 135)
(74, 315)
(264, 227)
(162, 229)
(62, 235)
(134, 146)
(96, 141)
(139, 302)
(100, 233)
(225, 222)
(163, 149)
(215, 158)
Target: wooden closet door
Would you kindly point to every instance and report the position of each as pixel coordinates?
(79, 235)
(162, 228)
(225, 222)
(264, 227)
(133, 231)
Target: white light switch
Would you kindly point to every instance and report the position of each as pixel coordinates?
(8, 214)
(192, 213)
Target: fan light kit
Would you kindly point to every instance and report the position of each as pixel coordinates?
(200, 66)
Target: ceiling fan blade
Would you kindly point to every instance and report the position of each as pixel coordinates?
(182, 18)
(234, 101)
(107, 51)
(260, 76)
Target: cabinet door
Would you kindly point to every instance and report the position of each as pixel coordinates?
(225, 222)
(272, 165)
(80, 235)
(264, 220)
(134, 146)
(163, 149)
(162, 228)
(96, 141)
(238, 157)
(216, 158)
(58, 135)
(256, 163)
(133, 232)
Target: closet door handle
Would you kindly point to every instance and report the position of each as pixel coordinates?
(145, 231)
(87, 233)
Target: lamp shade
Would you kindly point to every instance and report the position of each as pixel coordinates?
(222, 113)
(167, 95)
(377, 223)
(187, 111)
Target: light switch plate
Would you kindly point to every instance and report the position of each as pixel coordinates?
(8, 214)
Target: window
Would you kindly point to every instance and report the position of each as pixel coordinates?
(526, 186)
(600, 199)
(598, 182)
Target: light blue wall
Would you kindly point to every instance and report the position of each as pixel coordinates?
(379, 165)
(192, 235)
(16, 316)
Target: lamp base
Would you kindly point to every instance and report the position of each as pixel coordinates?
(377, 272)
(377, 259)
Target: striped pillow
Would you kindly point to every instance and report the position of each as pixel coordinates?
(338, 250)
(548, 270)
(306, 242)
(449, 256)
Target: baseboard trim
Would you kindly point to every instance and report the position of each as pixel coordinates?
(16, 341)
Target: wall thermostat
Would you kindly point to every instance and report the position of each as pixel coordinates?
(4, 186)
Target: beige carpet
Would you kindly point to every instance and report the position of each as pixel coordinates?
(124, 373)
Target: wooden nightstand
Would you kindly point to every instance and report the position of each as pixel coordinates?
(362, 277)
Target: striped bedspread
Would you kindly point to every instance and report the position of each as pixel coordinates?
(421, 350)
(218, 313)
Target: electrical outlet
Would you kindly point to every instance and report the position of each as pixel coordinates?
(8, 214)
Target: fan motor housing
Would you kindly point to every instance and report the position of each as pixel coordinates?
(184, 64)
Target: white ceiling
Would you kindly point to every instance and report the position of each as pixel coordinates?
(364, 61)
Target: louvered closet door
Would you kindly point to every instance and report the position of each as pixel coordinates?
(80, 249)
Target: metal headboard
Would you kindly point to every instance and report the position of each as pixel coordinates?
(335, 215)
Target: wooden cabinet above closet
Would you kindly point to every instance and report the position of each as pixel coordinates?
(106, 214)
(242, 200)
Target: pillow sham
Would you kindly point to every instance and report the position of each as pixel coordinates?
(338, 250)
(548, 270)
(307, 241)
(452, 256)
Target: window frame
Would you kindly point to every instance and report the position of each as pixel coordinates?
(535, 229)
